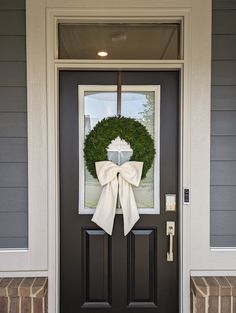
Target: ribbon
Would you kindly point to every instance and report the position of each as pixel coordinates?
(117, 180)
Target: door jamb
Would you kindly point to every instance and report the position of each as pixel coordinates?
(53, 67)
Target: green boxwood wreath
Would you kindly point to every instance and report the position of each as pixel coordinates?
(108, 129)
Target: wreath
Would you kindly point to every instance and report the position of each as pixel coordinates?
(128, 129)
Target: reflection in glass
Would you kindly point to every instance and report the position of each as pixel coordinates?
(119, 151)
(140, 105)
(97, 105)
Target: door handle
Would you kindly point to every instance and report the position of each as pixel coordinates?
(170, 232)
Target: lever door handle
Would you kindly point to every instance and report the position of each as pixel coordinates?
(170, 232)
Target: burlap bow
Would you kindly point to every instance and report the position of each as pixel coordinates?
(116, 180)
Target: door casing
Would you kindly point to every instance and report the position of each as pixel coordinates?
(54, 66)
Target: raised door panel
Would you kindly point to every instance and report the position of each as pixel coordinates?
(96, 269)
(142, 278)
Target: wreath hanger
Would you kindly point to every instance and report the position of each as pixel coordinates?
(119, 84)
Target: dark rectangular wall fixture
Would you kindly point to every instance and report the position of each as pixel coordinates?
(13, 126)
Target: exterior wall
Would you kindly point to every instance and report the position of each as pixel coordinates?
(13, 126)
(223, 125)
(43, 201)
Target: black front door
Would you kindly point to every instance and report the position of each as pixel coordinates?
(102, 273)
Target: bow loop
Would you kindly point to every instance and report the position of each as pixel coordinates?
(106, 171)
(129, 174)
(132, 171)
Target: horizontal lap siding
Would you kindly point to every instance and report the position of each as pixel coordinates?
(13, 126)
(12, 22)
(223, 98)
(223, 125)
(13, 149)
(224, 4)
(14, 99)
(13, 199)
(12, 5)
(8, 51)
(223, 198)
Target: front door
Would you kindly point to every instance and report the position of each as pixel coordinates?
(139, 272)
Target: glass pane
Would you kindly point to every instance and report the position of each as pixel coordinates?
(97, 105)
(146, 41)
(140, 105)
(119, 151)
(135, 104)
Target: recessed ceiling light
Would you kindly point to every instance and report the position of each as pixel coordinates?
(102, 53)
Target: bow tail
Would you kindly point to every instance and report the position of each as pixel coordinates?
(106, 207)
(128, 204)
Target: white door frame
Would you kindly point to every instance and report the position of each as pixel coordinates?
(54, 66)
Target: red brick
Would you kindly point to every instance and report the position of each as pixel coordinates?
(213, 286)
(234, 304)
(3, 304)
(38, 305)
(14, 304)
(3, 286)
(46, 303)
(26, 305)
(213, 303)
(225, 288)
(199, 285)
(232, 281)
(200, 305)
(13, 287)
(225, 304)
(39, 287)
(25, 287)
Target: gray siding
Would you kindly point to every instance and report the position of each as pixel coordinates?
(223, 125)
(13, 126)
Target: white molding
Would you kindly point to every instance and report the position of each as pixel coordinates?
(213, 273)
(224, 249)
(113, 5)
(113, 65)
(145, 63)
(157, 98)
(24, 274)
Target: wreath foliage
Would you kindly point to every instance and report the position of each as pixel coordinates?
(128, 129)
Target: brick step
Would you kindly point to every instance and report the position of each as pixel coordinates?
(23, 295)
(215, 294)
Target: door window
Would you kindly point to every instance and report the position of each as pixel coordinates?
(139, 102)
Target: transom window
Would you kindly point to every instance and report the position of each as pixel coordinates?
(119, 41)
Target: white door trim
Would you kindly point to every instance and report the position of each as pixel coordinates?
(53, 67)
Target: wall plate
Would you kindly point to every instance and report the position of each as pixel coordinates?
(170, 202)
